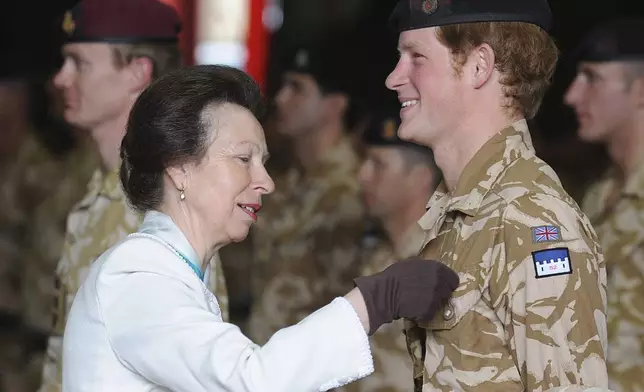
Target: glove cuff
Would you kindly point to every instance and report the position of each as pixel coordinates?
(368, 287)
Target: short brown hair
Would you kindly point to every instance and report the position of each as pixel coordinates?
(525, 55)
(164, 57)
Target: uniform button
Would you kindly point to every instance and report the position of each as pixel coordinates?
(448, 314)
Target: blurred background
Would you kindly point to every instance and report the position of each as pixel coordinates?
(255, 34)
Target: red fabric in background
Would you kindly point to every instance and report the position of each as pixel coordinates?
(257, 43)
(187, 12)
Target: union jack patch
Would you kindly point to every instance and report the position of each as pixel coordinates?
(545, 234)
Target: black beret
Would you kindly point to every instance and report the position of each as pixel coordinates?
(32, 45)
(325, 62)
(418, 14)
(122, 21)
(617, 40)
(382, 130)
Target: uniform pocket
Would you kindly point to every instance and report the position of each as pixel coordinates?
(464, 298)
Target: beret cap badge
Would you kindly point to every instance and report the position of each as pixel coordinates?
(429, 6)
(302, 59)
(68, 23)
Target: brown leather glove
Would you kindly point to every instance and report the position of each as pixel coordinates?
(413, 288)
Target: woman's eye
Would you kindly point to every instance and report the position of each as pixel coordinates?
(244, 159)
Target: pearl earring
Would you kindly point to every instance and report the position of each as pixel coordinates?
(182, 194)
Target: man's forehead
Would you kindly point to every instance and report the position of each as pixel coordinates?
(87, 48)
(301, 77)
(418, 38)
(604, 67)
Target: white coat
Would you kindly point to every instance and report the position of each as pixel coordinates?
(144, 321)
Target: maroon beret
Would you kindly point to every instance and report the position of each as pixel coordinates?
(122, 21)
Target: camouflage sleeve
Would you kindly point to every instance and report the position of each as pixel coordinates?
(550, 293)
(236, 263)
(90, 232)
(335, 245)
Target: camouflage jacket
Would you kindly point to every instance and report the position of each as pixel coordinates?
(26, 179)
(99, 221)
(529, 313)
(306, 242)
(620, 226)
(46, 235)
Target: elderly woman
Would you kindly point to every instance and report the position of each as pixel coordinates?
(193, 162)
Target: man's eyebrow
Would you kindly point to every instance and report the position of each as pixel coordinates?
(410, 46)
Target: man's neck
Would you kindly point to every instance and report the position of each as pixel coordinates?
(455, 149)
(626, 147)
(107, 137)
(310, 147)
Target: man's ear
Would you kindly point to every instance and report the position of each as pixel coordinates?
(637, 88)
(336, 103)
(141, 72)
(481, 65)
(420, 176)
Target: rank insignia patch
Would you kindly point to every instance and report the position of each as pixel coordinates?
(545, 234)
(551, 262)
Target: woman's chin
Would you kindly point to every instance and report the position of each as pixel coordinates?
(239, 235)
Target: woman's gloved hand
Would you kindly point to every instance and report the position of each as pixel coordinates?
(413, 288)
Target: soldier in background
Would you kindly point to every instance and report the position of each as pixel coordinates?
(529, 314)
(397, 179)
(607, 95)
(113, 51)
(33, 154)
(46, 232)
(306, 244)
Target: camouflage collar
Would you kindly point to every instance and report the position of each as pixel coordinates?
(111, 187)
(408, 246)
(480, 174)
(106, 184)
(635, 183)
(338, 159)
(603, 188)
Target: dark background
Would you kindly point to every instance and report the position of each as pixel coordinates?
(365, 20)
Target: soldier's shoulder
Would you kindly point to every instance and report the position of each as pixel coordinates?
(531, 176)
(530, 194)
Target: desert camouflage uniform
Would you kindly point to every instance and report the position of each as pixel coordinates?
(26, 179)
(47, 234)
(393, 368)
(100, 220)
(306, 242)
(618, 217)
(505, 329)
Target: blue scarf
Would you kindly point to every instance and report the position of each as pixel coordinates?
(161, 226)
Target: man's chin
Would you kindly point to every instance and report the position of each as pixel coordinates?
(285, 130)
(411, 133)
(590, 135)
(72, 118)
